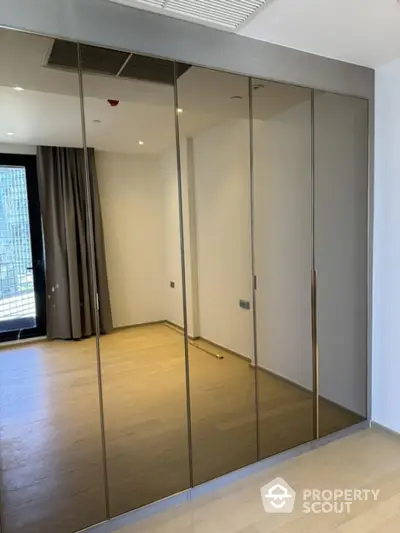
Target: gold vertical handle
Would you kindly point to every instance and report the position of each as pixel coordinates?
(315, 353)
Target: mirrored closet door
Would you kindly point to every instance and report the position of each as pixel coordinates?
(214, 132)
(282, 214)
(163, 225)
(51, 454)
(130, 135)
(341, 258)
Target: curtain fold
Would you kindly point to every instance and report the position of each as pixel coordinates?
(64, 207)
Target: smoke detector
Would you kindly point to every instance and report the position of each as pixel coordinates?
(227, 14)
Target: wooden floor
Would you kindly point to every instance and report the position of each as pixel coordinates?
(368, 460)
(51, 453)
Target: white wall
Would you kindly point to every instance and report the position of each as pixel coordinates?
(282, 211)
(171, 240)
(172, 243)
(282, 214)
(222, 204)
(386, 263)
(132, 204)
(282, 239)
(26, 149)
(140, 210)
(131, 191)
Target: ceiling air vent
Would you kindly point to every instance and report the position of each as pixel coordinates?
(229, 14)
(63, 54)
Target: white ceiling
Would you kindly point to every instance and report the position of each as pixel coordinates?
(365, 32)
(47, 111)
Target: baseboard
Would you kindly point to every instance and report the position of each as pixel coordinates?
(282, 378)
(385, 429)
(140, 325)
(342, 407)
(204, 339)
(304, 389)
(220, 347)
(178, 329)
(191, 340)
(32, 340)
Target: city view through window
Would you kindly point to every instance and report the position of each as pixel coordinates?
(17, 300)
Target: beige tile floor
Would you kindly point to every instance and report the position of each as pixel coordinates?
(369, 459)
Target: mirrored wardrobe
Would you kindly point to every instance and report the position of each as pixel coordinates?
(183, 276)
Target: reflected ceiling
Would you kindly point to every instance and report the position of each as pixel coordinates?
(47, 110)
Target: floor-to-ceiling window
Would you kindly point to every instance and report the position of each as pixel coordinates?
(22, 289)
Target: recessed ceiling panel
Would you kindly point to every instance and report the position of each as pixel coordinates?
(229, 14)
(63, 54)
(152, 69)
(94, 58)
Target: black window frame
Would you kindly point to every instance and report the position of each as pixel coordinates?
(37, 249)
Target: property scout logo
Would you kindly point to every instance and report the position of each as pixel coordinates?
(279, 497)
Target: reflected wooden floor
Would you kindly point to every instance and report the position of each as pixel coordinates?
(51, 454)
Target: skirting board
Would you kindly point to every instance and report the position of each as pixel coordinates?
(309, 391)
(132, 517)
(143, 324)
(262, 368)
(178, 329)
(385, 429)
(10, 344)
(191, 340)
(218, 346)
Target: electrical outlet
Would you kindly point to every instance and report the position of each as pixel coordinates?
(172, 284)
(244, 304)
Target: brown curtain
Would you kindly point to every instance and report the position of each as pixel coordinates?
(64, 206)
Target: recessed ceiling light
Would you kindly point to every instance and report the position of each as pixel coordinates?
(9, 133)
(19, 89)
(180, 110)
(141, 143)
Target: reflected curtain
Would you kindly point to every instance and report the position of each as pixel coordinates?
(64, 206)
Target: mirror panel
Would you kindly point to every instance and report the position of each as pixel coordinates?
(180, 166)
(282, 256)
(130, 129)
(213, 111)
(51, 452)
(341, 256)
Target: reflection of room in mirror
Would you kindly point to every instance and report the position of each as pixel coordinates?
(114, 219)
(51, 453)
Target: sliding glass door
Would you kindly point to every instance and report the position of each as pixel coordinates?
(22, 288)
